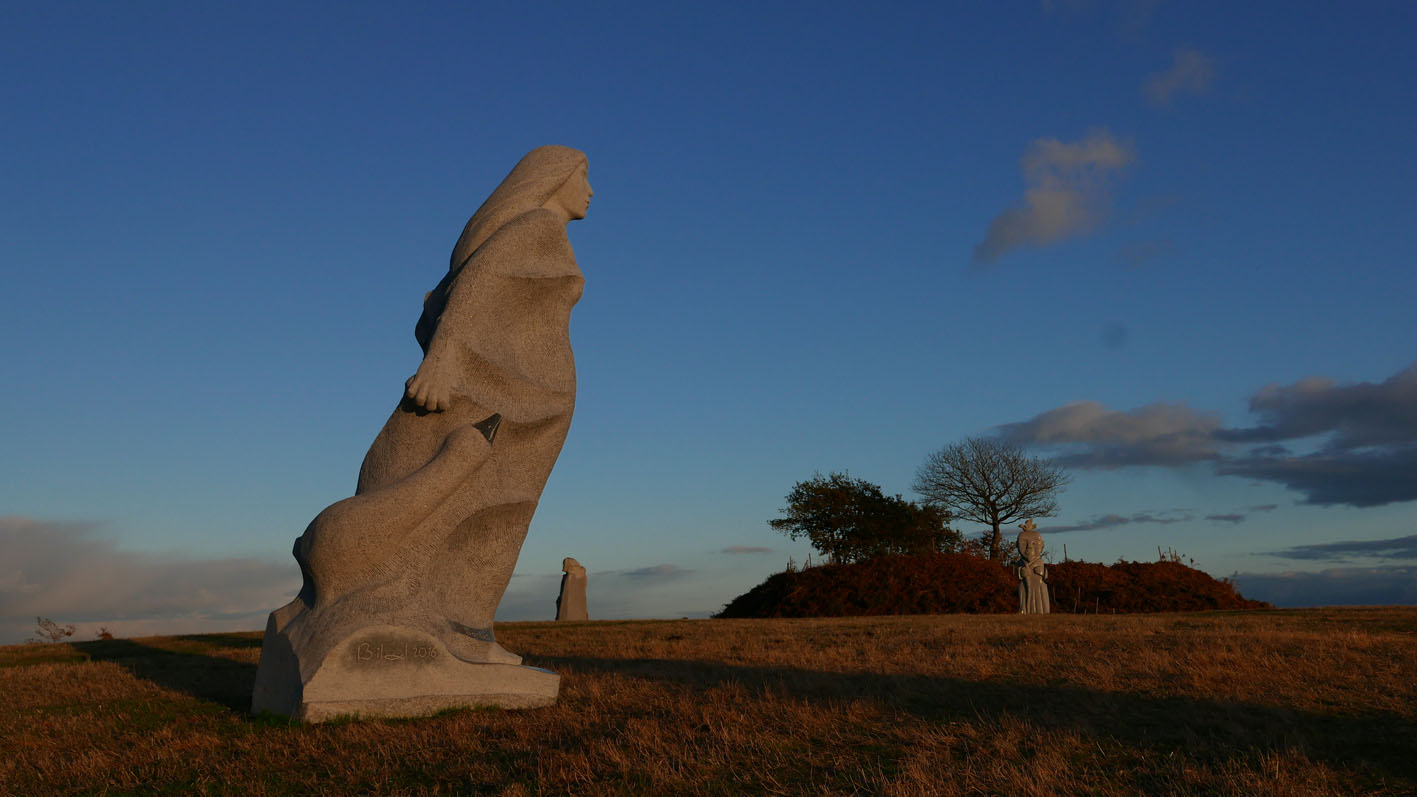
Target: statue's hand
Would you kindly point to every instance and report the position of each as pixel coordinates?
(432, 387)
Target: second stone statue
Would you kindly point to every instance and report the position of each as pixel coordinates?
(571, 603)
(402, 580)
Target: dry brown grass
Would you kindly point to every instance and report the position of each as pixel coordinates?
(1274, 702)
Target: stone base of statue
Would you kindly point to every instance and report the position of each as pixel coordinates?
(388, 671)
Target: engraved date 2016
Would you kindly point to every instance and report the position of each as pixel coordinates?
(395, 651)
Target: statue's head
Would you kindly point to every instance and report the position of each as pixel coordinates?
(568, 564)
(1030, 544)
(545, 174)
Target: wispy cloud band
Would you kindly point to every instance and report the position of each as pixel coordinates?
(1396, 548)
(1363, 439)
(71, 573)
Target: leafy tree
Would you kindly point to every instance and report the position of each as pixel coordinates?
(992, 482)
(851, 520)
(50, 631)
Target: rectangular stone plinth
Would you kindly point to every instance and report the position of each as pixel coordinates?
(459, 685)
(387, 671)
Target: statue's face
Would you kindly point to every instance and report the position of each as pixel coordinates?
(1032, 548)
(574, 195)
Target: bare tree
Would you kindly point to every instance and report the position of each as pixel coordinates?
(50, 631)
(992, 482)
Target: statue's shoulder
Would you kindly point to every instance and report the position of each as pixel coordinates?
(538, 223)
(532, 244)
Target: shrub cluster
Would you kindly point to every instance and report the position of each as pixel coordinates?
(949, 583)
(931, 583)
(1086, 587)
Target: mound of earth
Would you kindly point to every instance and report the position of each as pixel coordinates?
(1088, 587)
(950, 583)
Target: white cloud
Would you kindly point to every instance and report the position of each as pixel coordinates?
(69, 573)
(1355, 477)
(1367, 436)
(1113, 520)
(1156, 434)
(663, 571)
(1191, 71)
(1358, 415)
(1049, 159)
(1393, 548)
(1066, 194)
(1368, 432)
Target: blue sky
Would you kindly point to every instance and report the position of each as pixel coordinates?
(824, 237)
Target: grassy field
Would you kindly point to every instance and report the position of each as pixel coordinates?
(1268, 702)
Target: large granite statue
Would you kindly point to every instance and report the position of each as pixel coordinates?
(570, 604)
(401, 581)
(1032, 573)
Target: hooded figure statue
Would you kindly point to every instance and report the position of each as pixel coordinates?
(447, 490)
(1032, 573)
(571, 602)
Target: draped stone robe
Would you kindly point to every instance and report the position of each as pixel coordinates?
(432, 534)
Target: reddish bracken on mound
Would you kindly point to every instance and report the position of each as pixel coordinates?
(949, 583)
(935, 583)
(1087, 587)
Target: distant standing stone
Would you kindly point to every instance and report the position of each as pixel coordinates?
(570, 605)
(1032, 574)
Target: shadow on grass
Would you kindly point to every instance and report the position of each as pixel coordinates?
(211, 678)
(1378, 744)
